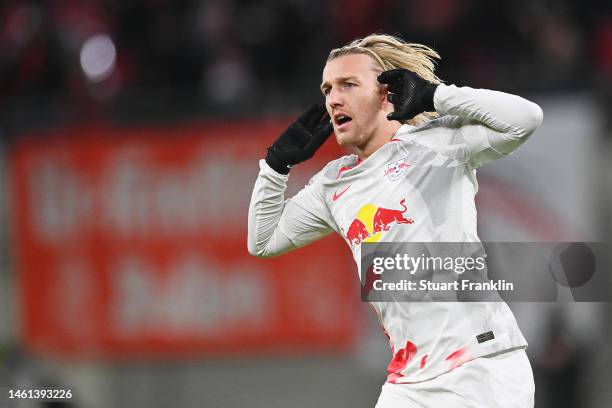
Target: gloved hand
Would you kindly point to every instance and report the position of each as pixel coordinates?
(301, 139)
(409, 93)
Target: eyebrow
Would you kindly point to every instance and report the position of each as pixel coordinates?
(340, 79)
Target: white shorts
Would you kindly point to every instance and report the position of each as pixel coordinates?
(503, 380)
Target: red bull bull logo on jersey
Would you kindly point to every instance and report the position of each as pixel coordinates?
(372, 221)
(357, 232)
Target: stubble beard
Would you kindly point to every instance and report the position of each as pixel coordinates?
(355, 138)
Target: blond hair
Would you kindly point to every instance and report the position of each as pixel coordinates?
(392, 52)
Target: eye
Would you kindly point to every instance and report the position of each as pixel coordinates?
(349, 84)
(325, 91)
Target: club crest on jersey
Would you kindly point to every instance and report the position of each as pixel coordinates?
(396, 169)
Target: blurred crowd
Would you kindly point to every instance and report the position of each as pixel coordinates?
(71, 60)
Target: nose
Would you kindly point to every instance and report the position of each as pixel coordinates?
(334, 99)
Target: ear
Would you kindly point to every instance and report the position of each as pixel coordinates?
(382, 93)
(385, 105)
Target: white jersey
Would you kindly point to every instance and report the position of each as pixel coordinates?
(419, 187)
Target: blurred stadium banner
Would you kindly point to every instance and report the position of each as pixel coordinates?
(132, 242)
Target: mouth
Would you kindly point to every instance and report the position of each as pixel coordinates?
(341, 119)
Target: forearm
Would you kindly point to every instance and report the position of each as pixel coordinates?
(511, 117)
(265, 238)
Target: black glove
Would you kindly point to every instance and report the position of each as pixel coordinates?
(301, 139)
(409, 93)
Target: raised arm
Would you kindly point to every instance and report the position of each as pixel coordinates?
(490, 124)
(276, 226)
(507, 119)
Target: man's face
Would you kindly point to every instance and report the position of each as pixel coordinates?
(354, 98)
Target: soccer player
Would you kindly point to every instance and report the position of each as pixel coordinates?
(418, 143)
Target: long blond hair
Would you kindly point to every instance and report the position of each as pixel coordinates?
(392, 52)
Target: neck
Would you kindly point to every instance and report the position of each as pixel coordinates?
(380, 138)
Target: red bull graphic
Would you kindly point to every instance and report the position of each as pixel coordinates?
(400, 361)
(423, 361)
(384, 217)
(372, 221)
(403, 357)
(458, 357)
(357, 232)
